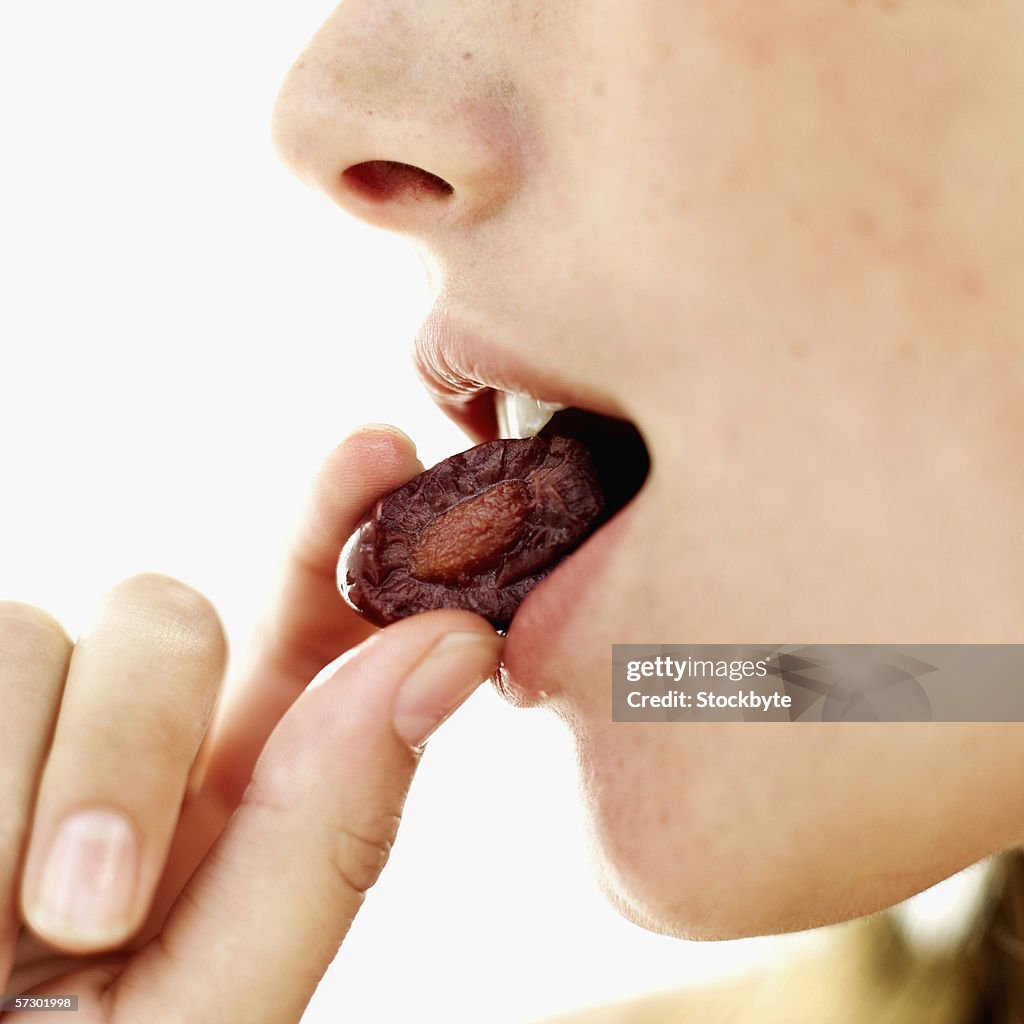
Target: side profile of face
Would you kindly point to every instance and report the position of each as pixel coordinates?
(785, 240)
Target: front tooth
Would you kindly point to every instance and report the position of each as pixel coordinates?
(520, 416)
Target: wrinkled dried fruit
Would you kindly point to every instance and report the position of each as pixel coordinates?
(478, 531)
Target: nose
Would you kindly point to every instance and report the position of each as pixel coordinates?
(403, 114)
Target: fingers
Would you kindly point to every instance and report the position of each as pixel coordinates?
(34, 655)
(262, 918)
(140, 691)
(309, 624)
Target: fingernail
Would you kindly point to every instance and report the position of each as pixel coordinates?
(451, 670)
(88, 881)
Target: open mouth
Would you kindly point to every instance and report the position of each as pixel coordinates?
(618, 453)
(621, 462)
(492, 391)
(490, 387)
(512, 529)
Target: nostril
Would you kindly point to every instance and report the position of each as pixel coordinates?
(385, 180)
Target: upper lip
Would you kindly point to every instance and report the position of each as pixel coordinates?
(462, 371)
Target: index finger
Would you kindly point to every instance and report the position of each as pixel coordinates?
(308, 624)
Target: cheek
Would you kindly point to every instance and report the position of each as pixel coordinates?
(794, 166)
(721, 831)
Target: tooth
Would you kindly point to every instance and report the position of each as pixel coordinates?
(520, 416)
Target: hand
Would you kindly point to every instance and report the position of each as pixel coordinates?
(208, 872)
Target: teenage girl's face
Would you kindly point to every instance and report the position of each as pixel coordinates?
(786, 241)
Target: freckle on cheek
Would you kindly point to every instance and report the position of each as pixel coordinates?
(864, 224)
(972, 284)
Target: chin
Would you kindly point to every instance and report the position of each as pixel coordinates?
(680, 856)
(715, 900)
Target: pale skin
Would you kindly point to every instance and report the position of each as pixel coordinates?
(785, 240)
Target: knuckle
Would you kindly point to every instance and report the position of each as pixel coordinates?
(29, 631)
(183, 616)
(356, 850)
(360, 854)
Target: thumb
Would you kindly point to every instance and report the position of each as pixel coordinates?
(264, 914)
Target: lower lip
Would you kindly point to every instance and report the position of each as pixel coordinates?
(535, 634)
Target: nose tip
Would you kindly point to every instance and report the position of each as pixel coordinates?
(401, 127)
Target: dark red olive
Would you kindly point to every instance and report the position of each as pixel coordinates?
(478, 531)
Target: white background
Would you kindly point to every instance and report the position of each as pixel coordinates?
(186, 332)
